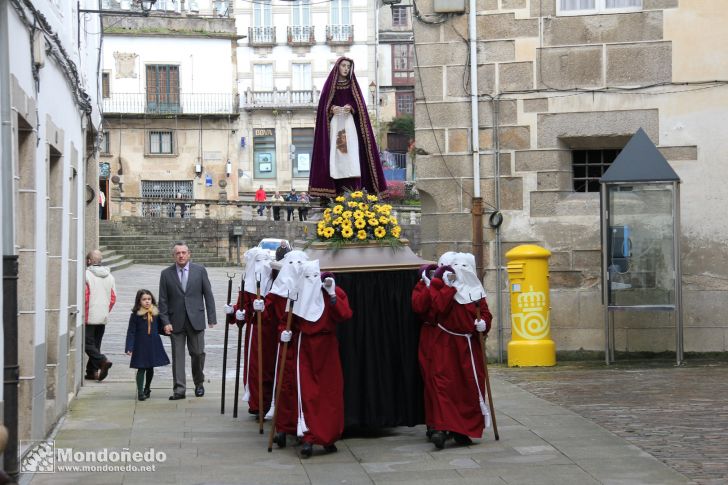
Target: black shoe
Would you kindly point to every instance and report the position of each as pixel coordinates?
(331, 448)
(175, 397)
(92, 377)
(199, 391)
(141, 396)
(147, 392)
(306, 450)
(438, 439)
(280, 440)
(253, 413)
(461, 439)
(429, 433)
(104, 369)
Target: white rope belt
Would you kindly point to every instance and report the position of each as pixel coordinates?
(269, 414)
(483, 407)
(301, 428)
(246, 394)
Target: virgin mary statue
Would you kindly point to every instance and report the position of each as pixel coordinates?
(345, 154)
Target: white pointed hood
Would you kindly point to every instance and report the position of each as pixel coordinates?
(469, 287)
(446, 258)
(310, 302)
(291, 269)
(257, 265)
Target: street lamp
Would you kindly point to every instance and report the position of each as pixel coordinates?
(144, 5)
(373, 91)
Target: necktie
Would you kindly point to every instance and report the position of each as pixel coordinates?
(183, 278)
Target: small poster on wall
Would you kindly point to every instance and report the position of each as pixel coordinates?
(304, 162)
(208, 180)
(265, 162)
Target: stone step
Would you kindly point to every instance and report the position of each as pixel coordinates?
(120, 264)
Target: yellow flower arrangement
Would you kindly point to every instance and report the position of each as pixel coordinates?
(358, 217)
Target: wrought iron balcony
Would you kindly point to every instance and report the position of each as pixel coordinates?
(276, 99)
(262, 36)
(339, 34)
(171, 103)
(299, 35)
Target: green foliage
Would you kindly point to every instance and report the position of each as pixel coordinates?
(404, 125)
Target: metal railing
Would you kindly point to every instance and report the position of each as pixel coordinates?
(262, 36)
(393, 160)
(301, 35)
(122, 206)
(339, 34)
(289, 98)
(175, 103)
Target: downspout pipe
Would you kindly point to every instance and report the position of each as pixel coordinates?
(10, 260)
(477, 202)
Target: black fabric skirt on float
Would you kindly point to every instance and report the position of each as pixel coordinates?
(378, 347)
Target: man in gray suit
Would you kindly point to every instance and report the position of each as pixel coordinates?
(182, 289)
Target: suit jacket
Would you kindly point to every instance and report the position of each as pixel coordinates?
(174, 303)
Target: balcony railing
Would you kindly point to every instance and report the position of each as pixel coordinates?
(262, 36)
(281, 99)
(301, 35)
(339, 34)
(183, 103)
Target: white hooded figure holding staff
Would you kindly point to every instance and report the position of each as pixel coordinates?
(457, 396)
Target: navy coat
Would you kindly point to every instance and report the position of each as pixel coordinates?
(145, 343)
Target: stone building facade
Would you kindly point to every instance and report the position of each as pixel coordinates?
(52, 81)
(170, 105)
(560, 93)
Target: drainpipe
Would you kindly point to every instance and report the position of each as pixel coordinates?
(477, 203)
(10, 260)
(495, 103)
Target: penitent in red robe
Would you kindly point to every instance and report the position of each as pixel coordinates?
(422, 306)
(322, 381)
(454, 400)
(250, 367)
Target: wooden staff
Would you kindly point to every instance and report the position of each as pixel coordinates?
(279, 380)
(240, 324)
(487, 379)
(261, 412)
(225, 345)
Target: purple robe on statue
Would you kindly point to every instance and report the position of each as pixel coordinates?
(335, 93)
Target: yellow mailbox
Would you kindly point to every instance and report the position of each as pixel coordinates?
(528, 275)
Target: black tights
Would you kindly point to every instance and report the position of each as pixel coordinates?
(143, 383)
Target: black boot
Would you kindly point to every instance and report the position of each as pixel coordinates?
(280, 439)
(461, 439)
(429, 433)
(148, 382)
(438, 438)
(139, 382)
(331, 448)
(306, 450)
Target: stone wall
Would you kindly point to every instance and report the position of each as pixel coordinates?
(551, 84)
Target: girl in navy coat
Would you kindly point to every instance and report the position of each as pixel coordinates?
(143, 343)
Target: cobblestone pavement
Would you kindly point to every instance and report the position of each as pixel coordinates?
(677, 414)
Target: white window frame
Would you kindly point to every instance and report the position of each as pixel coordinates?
(600, 7)
(262, 14)
(301, 78)
(260, 82)
(338, 7)
(301, 13)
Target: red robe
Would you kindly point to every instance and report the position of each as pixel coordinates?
(422, 306)
(270, 339)
(287, 403)
(454, 396)
(322, 381)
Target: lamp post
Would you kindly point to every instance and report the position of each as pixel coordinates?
(375, 101)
